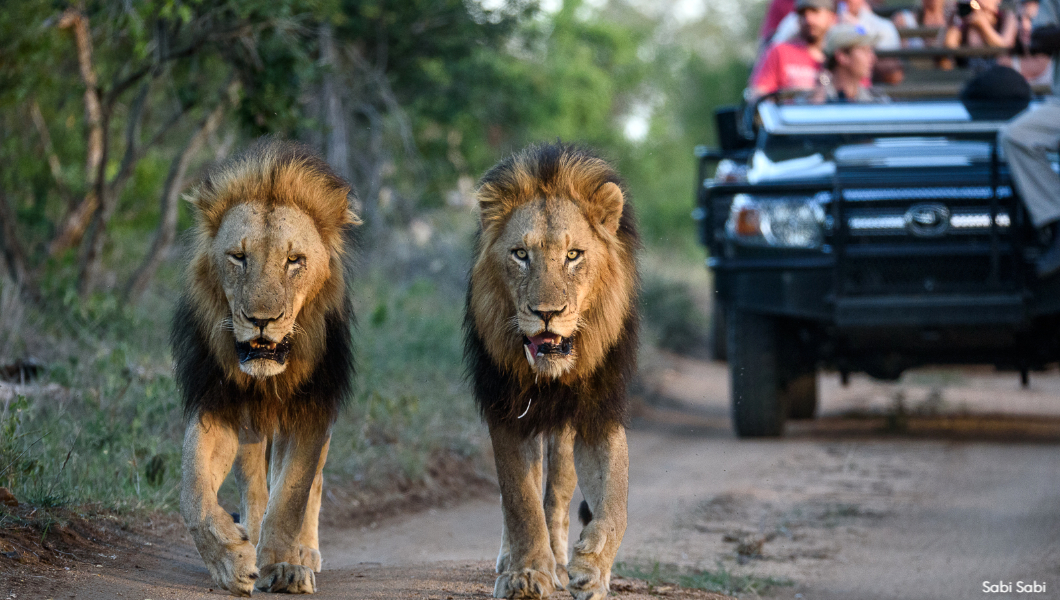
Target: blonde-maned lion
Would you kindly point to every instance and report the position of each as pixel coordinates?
(262, 350)
(551, 344)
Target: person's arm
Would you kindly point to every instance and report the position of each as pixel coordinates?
(1006, 38)
(766, 79)
(952, 39)
(1009, 30)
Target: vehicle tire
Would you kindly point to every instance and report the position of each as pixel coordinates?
(757, 408)
(800, 396)
(716, 337)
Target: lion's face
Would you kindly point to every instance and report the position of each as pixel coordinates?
(551, 260)
(271, 260)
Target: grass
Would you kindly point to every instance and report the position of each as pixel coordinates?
(720, 580)
(103, 423)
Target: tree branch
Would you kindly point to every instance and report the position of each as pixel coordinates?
(72, 226)
(167, 226)
(9, 243)
(49, 150)
(78, 23)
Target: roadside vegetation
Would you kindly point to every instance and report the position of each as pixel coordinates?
(110, 110)
(661, 578)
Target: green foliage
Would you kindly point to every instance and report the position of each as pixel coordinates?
(411, 402)
(670, 309)
(460, 87)
(721, 580)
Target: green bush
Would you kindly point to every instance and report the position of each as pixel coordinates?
(670, 312)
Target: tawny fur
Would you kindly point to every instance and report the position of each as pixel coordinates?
(268, 263)
(579, 410)
(269, 174)
(578, 176)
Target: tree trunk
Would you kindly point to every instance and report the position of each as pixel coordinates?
(336, 134)
(167, 226)
(9, 243)
(73, 225)
(92, 251)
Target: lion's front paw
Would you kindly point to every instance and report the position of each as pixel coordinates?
(288, 578)
(524, 583)
(561, 576)
(309, 557)
(587, 580)
(503, 558)
(231, 561)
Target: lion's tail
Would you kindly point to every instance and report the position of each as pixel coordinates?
(584, 514)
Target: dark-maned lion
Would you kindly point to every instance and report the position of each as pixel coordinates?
(551, 343)
(261, 342)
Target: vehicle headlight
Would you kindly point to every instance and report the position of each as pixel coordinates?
(776, 222)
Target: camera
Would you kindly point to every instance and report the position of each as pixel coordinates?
(965, 7)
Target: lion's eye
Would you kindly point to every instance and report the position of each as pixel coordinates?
(574, 254)
(520, 254)
(238, 258)
(293, 260)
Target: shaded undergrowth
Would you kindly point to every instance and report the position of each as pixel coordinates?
(721, 579)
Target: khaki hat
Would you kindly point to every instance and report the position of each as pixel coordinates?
(824, 4)
(848, 35)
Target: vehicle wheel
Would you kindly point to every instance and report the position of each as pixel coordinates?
(716, 341)
(757, 408)
(800, 395)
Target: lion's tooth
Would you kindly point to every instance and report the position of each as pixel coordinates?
(529, 357)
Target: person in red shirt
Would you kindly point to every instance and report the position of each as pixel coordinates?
(796, 64)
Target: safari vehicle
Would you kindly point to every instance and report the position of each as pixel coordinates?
(866, 238)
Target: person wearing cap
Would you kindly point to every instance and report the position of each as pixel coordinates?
(796, 64)
(851, 56)
(855, 12)
(859, 12)
(1030, 137)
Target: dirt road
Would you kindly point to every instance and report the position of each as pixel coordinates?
(919, 490)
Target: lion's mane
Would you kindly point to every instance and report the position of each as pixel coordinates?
(312, 390)
(592, 397)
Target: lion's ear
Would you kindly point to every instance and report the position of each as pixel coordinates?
(608, 201)
(490, 210)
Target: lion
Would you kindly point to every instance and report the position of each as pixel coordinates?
(262, 349)
(550, 343)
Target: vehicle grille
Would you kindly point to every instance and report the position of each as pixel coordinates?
(927, 240)
(924, 275)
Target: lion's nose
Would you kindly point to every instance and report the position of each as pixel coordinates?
(546, 315)
(261, 322)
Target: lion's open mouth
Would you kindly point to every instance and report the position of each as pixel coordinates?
(546, 343)
(262, 349)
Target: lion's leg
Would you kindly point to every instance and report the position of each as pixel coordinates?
(209, 449)
(531, 568)
(309, 540)
(603, 473)
(292, 470)
(250, 471)
(559, 489)
(505, 553)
